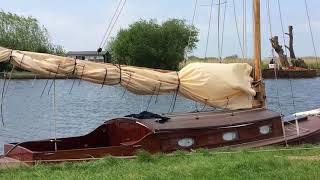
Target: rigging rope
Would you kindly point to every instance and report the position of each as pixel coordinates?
(270, 26)
(311, 32)
(114, 23)
(290, 78)
(282, 28)
(245, 49)
(108, 28)
(223, 23)
(274, 57)
(219, 8)
(220, 43)
(190, 32)
(209, 28)
(237, 28)
(275, 73)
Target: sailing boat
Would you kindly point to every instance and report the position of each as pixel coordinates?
(246, 123)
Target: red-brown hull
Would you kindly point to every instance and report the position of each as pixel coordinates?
(130, 137)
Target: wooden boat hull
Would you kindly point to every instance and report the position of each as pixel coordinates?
(131, 135)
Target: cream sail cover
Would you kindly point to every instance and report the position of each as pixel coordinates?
(226, 86)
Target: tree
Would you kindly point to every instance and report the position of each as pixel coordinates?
(25, 33)
(148, 44)
(279, 50)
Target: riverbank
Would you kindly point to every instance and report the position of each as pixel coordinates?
(30, 75)
(267, 163)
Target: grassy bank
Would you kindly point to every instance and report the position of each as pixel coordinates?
(274, 164)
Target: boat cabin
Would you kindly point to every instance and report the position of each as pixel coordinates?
(124, 136)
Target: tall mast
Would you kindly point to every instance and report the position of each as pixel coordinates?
(260, 97)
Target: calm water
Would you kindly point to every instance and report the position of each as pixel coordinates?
(28, 116)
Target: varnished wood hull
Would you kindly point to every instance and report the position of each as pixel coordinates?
(97, 145)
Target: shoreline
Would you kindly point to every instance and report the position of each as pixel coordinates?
(29, 75)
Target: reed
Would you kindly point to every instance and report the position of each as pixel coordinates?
(312, 62)
(227, 60)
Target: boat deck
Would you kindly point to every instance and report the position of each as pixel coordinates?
(210, 119)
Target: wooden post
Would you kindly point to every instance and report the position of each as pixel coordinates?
(260, 97)
(290, 48)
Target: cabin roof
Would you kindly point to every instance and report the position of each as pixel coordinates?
(209, 119)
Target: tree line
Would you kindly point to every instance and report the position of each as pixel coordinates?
(154, 45)
(25, 33)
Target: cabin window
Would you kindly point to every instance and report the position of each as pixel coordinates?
(230, 136)
(186, 142)
(264, 130)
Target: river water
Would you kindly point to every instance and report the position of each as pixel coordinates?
(28, 116)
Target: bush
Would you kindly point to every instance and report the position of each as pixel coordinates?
(148, 44)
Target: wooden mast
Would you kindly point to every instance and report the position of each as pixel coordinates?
(259, 100)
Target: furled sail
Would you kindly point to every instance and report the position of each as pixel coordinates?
(226, 86)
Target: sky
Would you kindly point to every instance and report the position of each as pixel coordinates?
(80, 24)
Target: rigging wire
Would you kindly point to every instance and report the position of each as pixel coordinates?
(244, 26)
(223, 24)
(274, 57)
(54, 114)
(311, 32)
(209, 29)
(219, 9)
(237, 27)
(275, 73)
(290, 78)
(270, 26)
(282, 28)
(220, 43)
(108, 28)
(2, 96)
(115, 21)
(190, 32)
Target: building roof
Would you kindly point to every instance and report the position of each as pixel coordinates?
(84, 53)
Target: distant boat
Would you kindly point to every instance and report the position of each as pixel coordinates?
(294, 73)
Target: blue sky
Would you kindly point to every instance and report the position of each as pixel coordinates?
(80, 24)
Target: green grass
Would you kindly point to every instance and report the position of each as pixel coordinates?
(224, 164)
